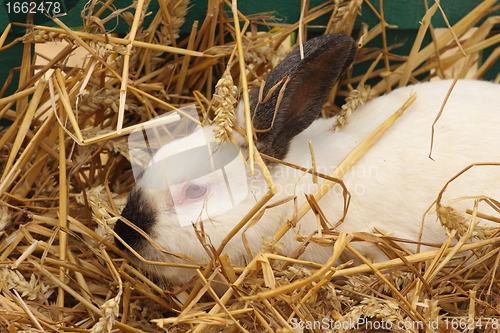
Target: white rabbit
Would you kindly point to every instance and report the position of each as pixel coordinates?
(392, 185)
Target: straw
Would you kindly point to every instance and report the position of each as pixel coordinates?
(65, 175)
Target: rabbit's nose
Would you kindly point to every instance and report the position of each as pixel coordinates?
(138, 212)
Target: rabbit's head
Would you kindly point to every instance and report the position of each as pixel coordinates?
(205, 184)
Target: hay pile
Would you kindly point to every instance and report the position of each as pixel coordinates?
(65, 174)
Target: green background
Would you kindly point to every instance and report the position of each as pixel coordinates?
(406, 14)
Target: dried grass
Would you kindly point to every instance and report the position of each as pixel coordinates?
(65, 175)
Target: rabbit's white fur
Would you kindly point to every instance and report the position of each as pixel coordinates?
(392, 185)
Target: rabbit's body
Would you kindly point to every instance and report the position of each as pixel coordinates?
(395, 182)
(392, 185)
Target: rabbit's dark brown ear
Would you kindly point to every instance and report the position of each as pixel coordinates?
(311, 80)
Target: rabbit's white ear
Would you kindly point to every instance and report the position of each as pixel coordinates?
(311, 80)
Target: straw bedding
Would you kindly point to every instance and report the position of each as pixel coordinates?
(65, 174)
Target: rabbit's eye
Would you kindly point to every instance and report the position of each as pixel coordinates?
(196, 191)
